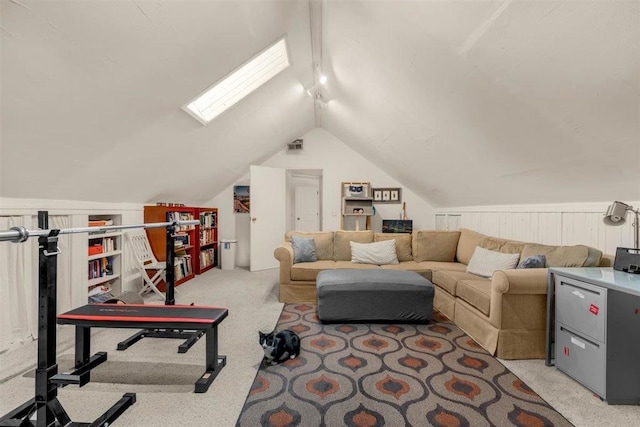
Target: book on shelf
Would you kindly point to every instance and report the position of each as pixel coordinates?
(207, 236)
(182, 266)
(208, 219)
(100, 222)
(100, 267)
(207, 257)
(181, 240)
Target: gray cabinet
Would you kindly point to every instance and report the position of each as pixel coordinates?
(597, 335)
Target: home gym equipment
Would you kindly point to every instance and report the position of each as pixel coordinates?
(190, 335)
(199, 318)
(46, 407)
(187, 322)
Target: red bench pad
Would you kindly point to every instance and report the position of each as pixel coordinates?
(144, 316)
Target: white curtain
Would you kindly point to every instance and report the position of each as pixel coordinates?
(70, 295)
(19, 281)
(18, 287)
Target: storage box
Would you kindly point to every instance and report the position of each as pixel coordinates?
(95, 249)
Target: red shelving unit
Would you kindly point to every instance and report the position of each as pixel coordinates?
(207, 239)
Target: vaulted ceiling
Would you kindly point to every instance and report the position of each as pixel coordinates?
(466, 103)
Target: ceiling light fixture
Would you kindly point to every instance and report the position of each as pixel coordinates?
(224, 94)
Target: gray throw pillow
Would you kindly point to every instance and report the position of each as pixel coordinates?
(535, 261)
(304, 249)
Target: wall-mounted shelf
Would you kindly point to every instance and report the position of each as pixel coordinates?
(357, 206)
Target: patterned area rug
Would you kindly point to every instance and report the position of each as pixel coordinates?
(392, 375)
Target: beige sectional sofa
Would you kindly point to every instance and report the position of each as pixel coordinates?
(506, 313)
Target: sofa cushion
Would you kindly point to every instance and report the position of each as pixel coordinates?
(304, 249)
(467, 243)
(429, 245)
(379, 253)
(349, 264)
(403, 244)
(322, 239)
(502, 245)
(308, 271)
(410, 266)
(558, 256)
(438, 265)
(476, 292)
(341, 246)
(594, 257)
(484, 262)
(448, 279)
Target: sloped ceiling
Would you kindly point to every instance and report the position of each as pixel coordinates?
(92, 94)
(466, 103)
(490, 102)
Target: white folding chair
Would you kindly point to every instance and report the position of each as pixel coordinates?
(147, 261)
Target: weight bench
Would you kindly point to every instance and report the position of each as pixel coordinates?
(169, 317)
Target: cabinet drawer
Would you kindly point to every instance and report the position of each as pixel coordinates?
(581, 358)
(582, 307)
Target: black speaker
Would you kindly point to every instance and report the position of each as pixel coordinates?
(627, 260)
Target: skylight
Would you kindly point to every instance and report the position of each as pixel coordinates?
(240, 83)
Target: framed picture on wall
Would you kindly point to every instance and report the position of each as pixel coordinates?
(241, 199)
(387, 195)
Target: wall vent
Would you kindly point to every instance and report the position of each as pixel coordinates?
(295, 145)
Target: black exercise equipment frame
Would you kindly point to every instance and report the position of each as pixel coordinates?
(190, 336)
(48, 409)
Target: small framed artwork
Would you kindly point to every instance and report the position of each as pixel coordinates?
(241, 199)
(387, 195)
(397, 226)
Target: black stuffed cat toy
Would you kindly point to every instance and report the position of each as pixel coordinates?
(280, 346)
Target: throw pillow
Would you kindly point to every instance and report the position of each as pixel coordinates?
(403, 244)
(430, 245)
(535, 261)
(484, 262)
(304, 249)
(379, 253)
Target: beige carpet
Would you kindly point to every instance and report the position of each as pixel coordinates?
(163, 379)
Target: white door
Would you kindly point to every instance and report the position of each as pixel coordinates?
(307, 208)
(268, 215)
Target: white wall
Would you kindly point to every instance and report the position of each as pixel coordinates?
(338, 162)
(553, 224)
(233, 225)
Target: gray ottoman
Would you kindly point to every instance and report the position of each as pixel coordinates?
(349, 296)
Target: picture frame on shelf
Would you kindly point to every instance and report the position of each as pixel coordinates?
(387, 195)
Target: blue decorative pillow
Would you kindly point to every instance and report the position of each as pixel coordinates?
(535, 261)
(304, 249)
